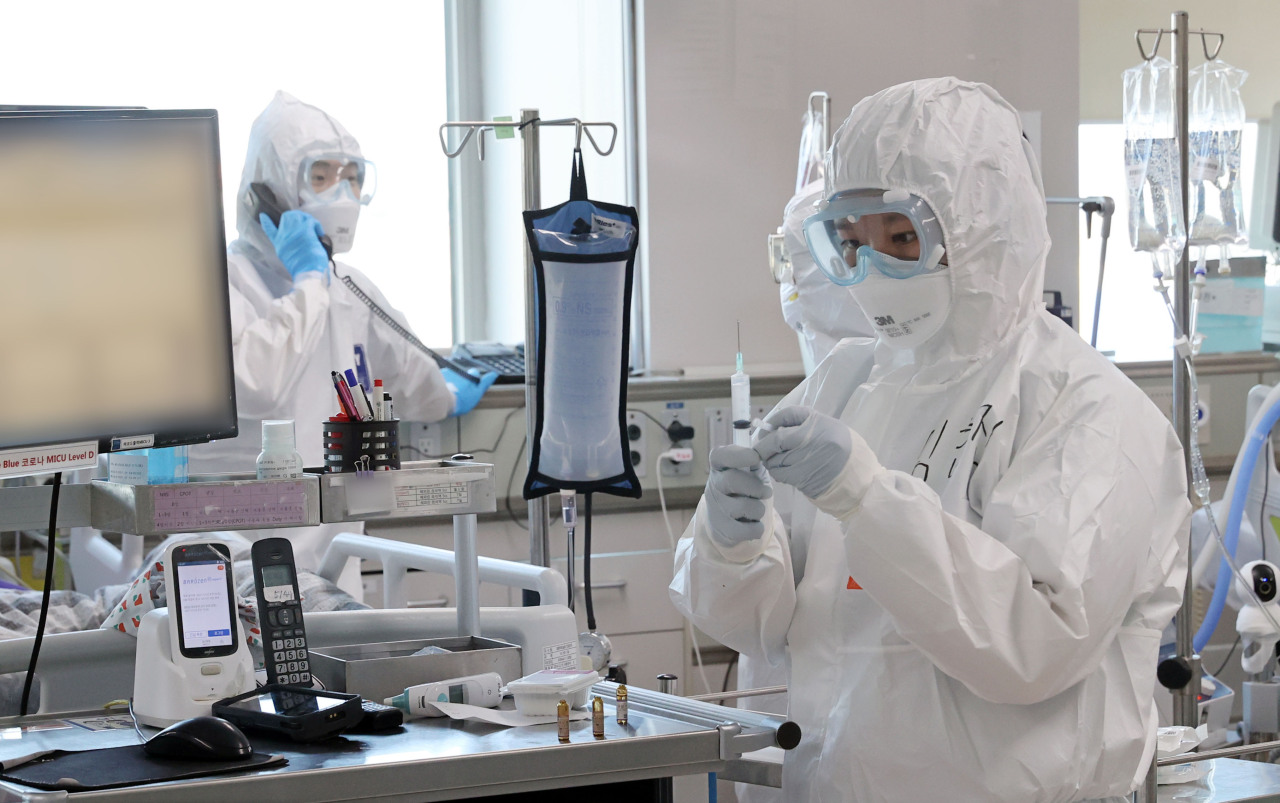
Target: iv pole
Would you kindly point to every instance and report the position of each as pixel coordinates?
(529, 126)
(1182, 676)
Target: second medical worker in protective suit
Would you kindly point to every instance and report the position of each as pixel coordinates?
(293, 320)
(1000, 513)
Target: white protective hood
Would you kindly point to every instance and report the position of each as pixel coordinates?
(959, 146)
(820, 311)
(286, 132)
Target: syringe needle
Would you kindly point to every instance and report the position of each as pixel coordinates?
(739, 346)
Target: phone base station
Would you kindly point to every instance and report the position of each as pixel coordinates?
(169, 688)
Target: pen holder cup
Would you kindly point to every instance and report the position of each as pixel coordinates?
(352, 446)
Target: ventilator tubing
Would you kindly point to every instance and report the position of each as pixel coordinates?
(1238, 491)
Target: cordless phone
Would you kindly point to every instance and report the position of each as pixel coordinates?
(284, 643)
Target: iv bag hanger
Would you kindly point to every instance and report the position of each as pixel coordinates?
(530, 126)
(472, 127)
(1160, 32)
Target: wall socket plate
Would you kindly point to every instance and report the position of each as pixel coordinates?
(676, 411)
(636, 423)
(427, 441)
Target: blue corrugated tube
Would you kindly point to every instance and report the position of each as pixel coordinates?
(1246, 464)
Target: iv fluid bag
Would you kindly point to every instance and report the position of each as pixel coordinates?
(1151, 158)
(584, 258)
(583, 352)
(1216, 122)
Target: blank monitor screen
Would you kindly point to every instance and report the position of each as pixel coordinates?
(113, 279)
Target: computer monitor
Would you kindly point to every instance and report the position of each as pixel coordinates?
(113, 280)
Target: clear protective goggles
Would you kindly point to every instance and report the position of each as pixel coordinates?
(325, 174)
(891, 230)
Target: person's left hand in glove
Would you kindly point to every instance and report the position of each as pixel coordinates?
(817, 455)
(467, 392)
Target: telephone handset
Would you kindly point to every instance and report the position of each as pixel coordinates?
(284, 640)
(265, 202)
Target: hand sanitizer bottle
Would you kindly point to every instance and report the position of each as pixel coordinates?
(279, 458)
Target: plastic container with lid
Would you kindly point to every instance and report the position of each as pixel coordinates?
(148, 466)
(540, 692)
(279, 458)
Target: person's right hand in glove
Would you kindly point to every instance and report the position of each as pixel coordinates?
(297, 243)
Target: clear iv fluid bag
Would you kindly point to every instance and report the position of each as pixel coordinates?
(584, 323)
(1216, 118)
(1155, 195)
(1151, 161)
(1215, 196)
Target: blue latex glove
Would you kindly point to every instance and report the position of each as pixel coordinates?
(735, 495)
(297, 242)
(806, 449)
(466, 394)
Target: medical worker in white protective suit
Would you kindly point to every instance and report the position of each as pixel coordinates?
(823, 314)
(1000, 513)
(293, 319)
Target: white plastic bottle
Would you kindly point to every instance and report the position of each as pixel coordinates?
(279, 458)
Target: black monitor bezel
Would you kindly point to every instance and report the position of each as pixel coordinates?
(225, 423)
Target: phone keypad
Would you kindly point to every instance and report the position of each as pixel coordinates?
(287, 658)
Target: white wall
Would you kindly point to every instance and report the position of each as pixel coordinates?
(725, 86)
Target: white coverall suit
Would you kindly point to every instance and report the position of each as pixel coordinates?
(287, 338)
(982, 600)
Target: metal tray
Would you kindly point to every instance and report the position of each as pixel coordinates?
(382, 670)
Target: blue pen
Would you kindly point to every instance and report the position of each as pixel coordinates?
(357, 393)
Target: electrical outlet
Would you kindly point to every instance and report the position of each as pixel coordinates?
(426, 439)
(719, 427)
(676, 412)
(639, 456)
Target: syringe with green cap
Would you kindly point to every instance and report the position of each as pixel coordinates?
(740, 395)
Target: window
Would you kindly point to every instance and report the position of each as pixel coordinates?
(379, 68)
(1133, 324)
(565, 58)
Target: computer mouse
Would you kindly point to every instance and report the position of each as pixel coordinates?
(200, 739)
